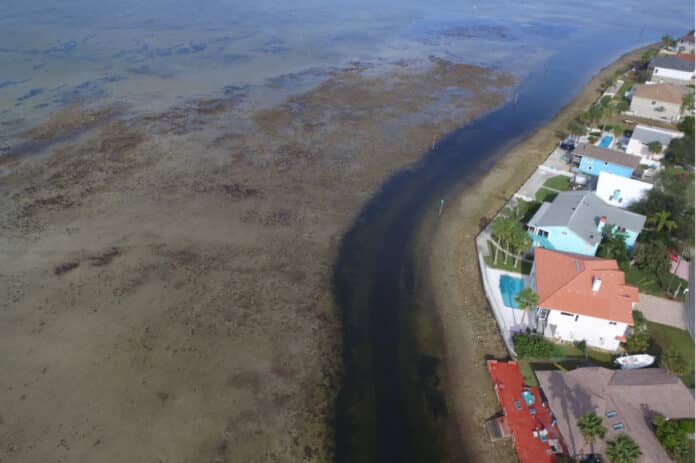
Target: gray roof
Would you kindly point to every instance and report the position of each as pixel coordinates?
(635, 396)
(672, 62)
(608, 155)
(580, 211)
(646, 135)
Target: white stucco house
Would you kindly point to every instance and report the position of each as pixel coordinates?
(661, 102)
(621, 191)
(672, 70)
(642, 136)
(582, 298)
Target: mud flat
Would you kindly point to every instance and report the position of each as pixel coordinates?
(449, 269)
(166, 277)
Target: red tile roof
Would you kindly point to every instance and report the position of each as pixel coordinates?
(509, 385)
(564, 282)
(688, 57)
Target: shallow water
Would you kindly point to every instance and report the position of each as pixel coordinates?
(153, 55)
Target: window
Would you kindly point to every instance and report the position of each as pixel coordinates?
(543, 233)
(567, 314)
(589, 167)
(612, 323)
(621, 229)
(606, 163)
(564, 233)
(653, 102)
(576, 317)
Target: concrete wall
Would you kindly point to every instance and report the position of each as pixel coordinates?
(592, 166)
(596, 332)
(647, 108)
(672, 76)
(629, 191)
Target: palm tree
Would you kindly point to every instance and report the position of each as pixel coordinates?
(591, 428)
(520, 242)
(527, 299)
(662, 221)
(623, 450)
(503, 229)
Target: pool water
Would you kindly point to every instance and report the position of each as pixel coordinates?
(606, 141)
(509, 289)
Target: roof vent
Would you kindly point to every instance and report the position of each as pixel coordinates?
(596, 284)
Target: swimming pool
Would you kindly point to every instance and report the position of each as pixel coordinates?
(509, 288)
(606, 141)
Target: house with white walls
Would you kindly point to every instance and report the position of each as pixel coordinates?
(661, 102)
(643, 136)
(672, 70)
(582, 298)
(621, 191)
(686, 43)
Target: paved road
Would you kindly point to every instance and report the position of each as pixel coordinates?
(665, 311)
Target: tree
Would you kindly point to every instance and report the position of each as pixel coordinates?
(652, 255)
(662, 221)
(520, 242)
(672, 437)
(591, 428)
(655, 147)
(648, 56)
(688, 102)
(639, 340)
(623, 450)
(613, 246)
(687, 126)
(674, 362)
(680, 151)
(668, 41)
(576, 128)
(503, 229)
(527, 298)
(622, 104)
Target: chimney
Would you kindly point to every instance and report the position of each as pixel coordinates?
(596, 284)
(602, 223)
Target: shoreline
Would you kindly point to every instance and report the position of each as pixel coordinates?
(471, 336)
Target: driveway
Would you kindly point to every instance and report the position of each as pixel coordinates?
(665, 311)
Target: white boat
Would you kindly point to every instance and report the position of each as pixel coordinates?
(629, 362)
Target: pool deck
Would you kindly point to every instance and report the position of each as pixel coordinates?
(519, 419)
(509, 320)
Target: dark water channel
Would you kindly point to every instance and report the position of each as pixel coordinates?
(382, 413)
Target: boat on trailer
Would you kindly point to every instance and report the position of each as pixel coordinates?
(629, 362)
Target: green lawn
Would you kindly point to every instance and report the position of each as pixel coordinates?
(570, 358)
(522, 267)
(559, 182)
(666, 337)
(648, 283)
(545, 195)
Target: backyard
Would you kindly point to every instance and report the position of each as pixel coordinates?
(666, 338)
(552, 187)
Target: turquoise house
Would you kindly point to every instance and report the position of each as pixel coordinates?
(576, 220)
(595, 159)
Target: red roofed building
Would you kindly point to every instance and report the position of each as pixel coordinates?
(526, 417)
(582, 298)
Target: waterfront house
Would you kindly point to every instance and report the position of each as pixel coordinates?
(526, 418)
(582, 298)
(594, 159)
(621, 191)
(672, 70)
(574, 222)
(659, 101)
(686, 43)
(626, 400)
(643, 135)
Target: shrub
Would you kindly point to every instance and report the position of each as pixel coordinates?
(672, 437)
(529, 345)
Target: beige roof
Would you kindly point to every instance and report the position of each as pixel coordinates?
(635, 396)
(661, 92)
(608, 155)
